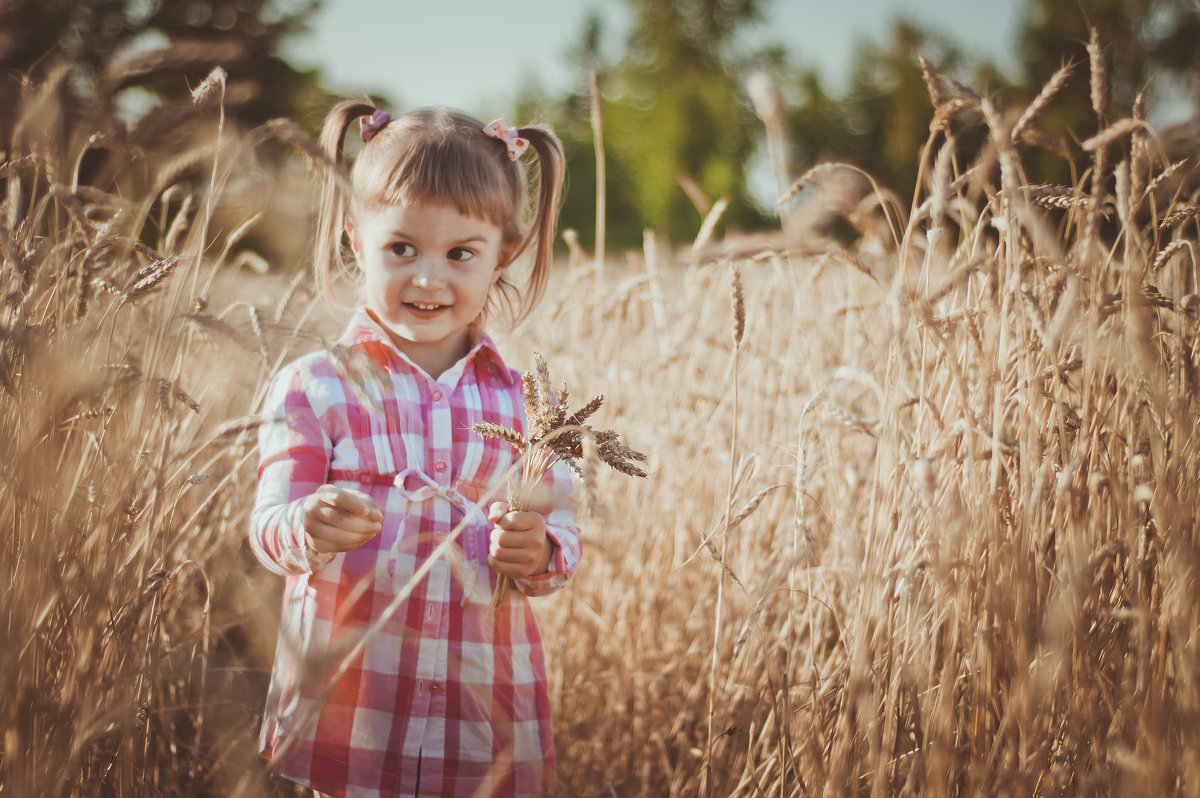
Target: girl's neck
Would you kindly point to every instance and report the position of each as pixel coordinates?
(435, 359)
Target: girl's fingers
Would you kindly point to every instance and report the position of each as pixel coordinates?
(496, 511)
(507, 569)
(327, 538)
(501, 539)
(341, 519)
(350, 522)
(355, 502)
(515, 546)
(521, 561)
(509, 556)
(517, 569)
(519, 521)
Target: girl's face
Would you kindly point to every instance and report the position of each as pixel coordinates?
(428, 272)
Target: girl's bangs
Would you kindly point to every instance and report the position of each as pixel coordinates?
(440, 170)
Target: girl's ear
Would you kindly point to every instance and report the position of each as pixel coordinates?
(352, 234)
(504, 262)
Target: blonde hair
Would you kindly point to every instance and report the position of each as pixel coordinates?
(440, 155)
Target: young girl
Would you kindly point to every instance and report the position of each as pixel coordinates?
(368, 463)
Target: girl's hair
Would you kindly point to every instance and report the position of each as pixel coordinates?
(442, 156)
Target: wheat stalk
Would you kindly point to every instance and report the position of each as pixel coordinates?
(1179, 215)
(1163, 176)
(1041, 101)
(1115, 131)
(1099, 74)
(933, 83)
(553, 436)
(213, 85)
(147, 279)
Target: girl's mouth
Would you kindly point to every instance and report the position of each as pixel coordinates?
(425, 307)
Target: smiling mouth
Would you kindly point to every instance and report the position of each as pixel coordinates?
(425, 306)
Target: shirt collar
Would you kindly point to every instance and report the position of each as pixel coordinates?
(362, 329)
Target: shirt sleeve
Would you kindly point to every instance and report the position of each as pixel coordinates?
(562, 530)
(294, 456)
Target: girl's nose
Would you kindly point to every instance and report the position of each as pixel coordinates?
(428, 274)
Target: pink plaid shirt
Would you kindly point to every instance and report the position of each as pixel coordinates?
(437, 682)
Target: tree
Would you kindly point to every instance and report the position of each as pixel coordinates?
(882, 121)
(674, 110)
(1143, 41)
(1144, 45)
(674, 104)
(678, 111)
(161, 46)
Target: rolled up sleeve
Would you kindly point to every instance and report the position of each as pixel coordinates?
(294, 455)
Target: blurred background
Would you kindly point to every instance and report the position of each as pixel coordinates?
(679, 129)
(949, 454)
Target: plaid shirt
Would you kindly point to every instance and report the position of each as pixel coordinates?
(438, 682)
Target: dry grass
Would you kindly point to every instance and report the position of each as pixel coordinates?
(929, 528)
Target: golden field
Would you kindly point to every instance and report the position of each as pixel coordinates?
(926, 525)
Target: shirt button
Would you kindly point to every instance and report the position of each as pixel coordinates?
(437, 396)
(435, 688)
(439, 466)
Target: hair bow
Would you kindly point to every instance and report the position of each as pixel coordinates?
(370, 125)
(515, 145)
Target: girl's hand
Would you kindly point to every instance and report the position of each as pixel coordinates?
(519, 546)
(340, 519)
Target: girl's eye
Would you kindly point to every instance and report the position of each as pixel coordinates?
(403, 250)
(460, 254)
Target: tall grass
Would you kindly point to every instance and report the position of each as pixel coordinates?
(930, 528)
(131, 358)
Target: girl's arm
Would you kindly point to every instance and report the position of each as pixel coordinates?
(294, 455)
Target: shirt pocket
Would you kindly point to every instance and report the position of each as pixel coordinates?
(379, 438)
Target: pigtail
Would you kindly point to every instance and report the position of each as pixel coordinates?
(552, 169)
(328, 248)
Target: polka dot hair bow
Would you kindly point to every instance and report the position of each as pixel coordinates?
(499, 129)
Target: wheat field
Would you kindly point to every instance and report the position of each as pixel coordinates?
(921, 516)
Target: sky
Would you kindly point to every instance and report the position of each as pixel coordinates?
(478, 55)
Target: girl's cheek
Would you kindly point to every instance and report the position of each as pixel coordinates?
(392, 287)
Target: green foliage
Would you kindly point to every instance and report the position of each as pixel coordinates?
(674, 105)
(1145, 45)
(1143, 40)
(883, 120)
(700, 130)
